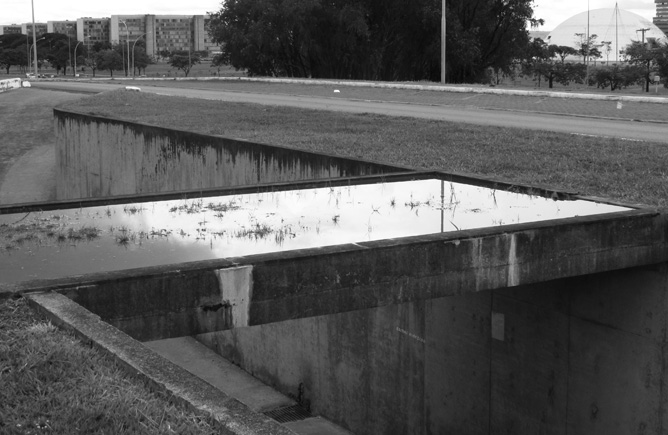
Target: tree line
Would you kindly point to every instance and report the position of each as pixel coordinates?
(61, 53)
(371, 39)
(643, 61)
(394, 40)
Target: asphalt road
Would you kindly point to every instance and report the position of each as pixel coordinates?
(562, 123)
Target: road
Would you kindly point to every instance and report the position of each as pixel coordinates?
(626, 129)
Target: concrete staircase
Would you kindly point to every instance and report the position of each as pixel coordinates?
(204, 363)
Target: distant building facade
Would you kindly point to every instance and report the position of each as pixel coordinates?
(164, 32)
(11, 29)
(160, 32)
(68, 28)
(40, 29)
(661, 18)
(92, 30)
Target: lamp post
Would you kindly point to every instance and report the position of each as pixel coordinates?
(34, 44)
(34, 33)
(69, 50)
(75, 58)
(127, 41)
(443, 51)
(133, 52)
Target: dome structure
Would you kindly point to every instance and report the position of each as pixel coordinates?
(613, 25)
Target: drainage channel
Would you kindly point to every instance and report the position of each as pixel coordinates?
(190, 373)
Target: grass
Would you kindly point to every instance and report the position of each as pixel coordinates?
(632, 172)
(52, 383)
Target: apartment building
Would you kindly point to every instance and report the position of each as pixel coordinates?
(68, 28)
(161, 32)
(10, 29)
(661, 18)
(40, 28)
(92, 30)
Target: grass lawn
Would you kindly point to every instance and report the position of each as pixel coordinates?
(633, 172)
(52, 383)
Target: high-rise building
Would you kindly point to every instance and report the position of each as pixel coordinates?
(661, 18)
(10, 29)
(92, 30)
(160, 32)
(163, 32)
(201, 39)
(40, 29)
(68, 28)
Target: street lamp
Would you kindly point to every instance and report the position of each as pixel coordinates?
(443, 42)
(34, 44)
(127, 41)
(133, 52)
(75, 58)
(34, 33)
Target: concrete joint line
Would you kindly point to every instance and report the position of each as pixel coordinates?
(236, 291)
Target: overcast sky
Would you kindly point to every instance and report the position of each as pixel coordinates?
(18, 11)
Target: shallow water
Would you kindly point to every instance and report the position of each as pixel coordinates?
(94, 239)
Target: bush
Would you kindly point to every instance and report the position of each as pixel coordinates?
(616, 76)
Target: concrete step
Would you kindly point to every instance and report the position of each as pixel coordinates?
(204, 363)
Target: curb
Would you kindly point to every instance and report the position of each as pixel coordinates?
(408, 86)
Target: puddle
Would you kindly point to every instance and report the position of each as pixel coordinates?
(94, 239)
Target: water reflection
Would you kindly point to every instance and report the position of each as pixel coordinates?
(77, 241)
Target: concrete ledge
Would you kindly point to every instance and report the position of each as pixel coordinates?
(162, 375)
(8, 84)
(97, 156)
(150, 303)
(476, 89)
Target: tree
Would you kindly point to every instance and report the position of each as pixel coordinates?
(109, 59)
(563, 51)
(13, 51)
(617, 77)
(219, 61)
(648, 55)
(371, 39)
(587, 47)
(184, 60)
(141, 59)
(12, 57)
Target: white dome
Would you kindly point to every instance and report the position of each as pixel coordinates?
(613, 25)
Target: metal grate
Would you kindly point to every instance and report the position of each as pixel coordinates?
(288, 414)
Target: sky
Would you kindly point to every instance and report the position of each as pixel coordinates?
(554, 12)
(19, 11)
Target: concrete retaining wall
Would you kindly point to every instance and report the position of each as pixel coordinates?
(100, 157)
(445, 333)
(8, 84)
(573, 356)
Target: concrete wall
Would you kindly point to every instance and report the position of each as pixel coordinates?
(8, 84)
(572, 356)
(100, 157)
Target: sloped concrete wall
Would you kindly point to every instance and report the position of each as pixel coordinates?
(572, 356)
(8, 84)
(101, 157)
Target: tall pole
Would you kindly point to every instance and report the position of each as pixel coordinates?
(133, 53)
(643, 34)
(588, 42)
(34, 34)
(616, 33)
(75, 58)
(127, 41)
(443, 48)
(69, 50)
